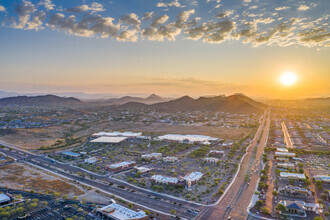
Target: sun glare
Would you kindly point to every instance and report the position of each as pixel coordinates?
(288, 78)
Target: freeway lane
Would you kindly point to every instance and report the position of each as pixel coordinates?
(236, 190)
(286, 134)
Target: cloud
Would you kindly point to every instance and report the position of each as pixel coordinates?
(303, 8)
(282, 8)
(159, 20)
(91, 25)
(225, 14)
(174, 3)
(2, 8)
(128, 35)
(95, 7)
(147, 16)
(131, 19)
(25, 11)
(47, 4)
(317, 37)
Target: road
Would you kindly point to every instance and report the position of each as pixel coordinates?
(236, 194)
(287, 138)
(136, 195)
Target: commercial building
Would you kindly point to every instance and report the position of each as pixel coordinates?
(323, 178)
(217, 152)
(70, 154)
(286, 165)
(127, 134)
(211, 160)
(299, 208)
(118, 212)
(91, 160)
(294, 190)
(170, 159)
(143, 170)
(108, 140)
(152, 156)
(164, 179)
(279, 149)
(4, 199)
(121, 166)
(193, 177)
(282, 159)
(294, 176)
(284, 154)
(189, 139)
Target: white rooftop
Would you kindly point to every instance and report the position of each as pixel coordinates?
(112, 140)
(293, 175)
(193, 176)
(118, 134)
(322, 178)
(278, 153)
(164, 179)
(119, 212)
(188, 137)
(279, 149)
(121, 164)
(4, 198)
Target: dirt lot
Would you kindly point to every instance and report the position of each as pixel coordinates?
(19, 176)
(35, 138)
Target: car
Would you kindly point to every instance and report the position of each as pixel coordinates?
(228, 206)
(189, 210)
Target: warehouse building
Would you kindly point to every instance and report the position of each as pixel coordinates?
(294, 176)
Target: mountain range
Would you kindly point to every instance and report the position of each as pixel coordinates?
(39, 100)
(237, 103)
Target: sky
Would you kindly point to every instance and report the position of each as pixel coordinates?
(167, 47)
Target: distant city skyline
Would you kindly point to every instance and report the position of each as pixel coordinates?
(175, 47)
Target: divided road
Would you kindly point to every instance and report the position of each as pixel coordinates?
(239, 187)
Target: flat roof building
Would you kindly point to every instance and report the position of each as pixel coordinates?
(284, 154)
(117, 134)
(297, 176)
(170, 159)
(118, 212)
(280, 149)
(121, 166)
(143, 170)
(152, 156)
(211, 160)
(4, 199)
(323, 178)
(110, 140)
(91, 160)
(189, 138)
(193, 177)
(217, 152)
(164, 179)
(70, 154)
(286, 165)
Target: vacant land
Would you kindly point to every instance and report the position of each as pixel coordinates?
(36, 138)
(19, 176)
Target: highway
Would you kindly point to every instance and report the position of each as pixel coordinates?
(236, 199)
(150, 200)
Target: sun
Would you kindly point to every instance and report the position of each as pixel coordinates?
(288, 78)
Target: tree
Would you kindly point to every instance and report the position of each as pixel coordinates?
(318, 218)
(173, 212)
(130, 205)
(275, 193)
(147, 212)
(280, 207)
(265, 210)
(259, 203)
